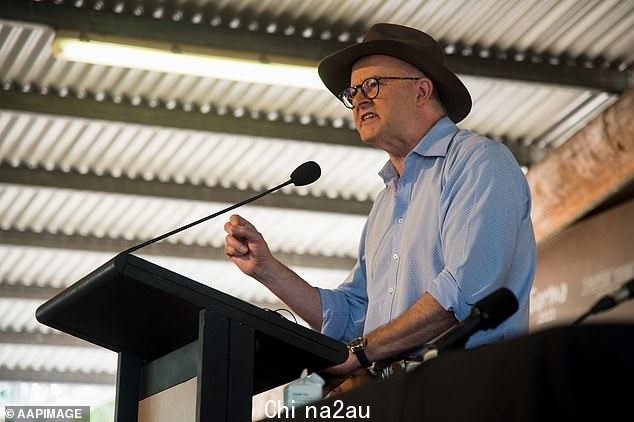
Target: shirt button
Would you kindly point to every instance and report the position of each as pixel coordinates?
(391, 290)
(400, 220)
(395, 256)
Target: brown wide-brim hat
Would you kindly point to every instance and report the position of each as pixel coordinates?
(410, 45)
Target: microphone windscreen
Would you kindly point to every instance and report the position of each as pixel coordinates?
(496, 308)
(306, 173)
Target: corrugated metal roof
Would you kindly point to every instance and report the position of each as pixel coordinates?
(59, 268)
(589, 28)
(58, 359)
(37, 393)
(502, 109)
(114, 216)
(184, 156)
(18, 315)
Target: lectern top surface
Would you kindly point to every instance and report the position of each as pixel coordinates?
(132, 305)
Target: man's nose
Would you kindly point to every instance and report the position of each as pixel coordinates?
(362, 101)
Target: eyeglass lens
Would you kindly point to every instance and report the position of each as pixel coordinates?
(369, 87)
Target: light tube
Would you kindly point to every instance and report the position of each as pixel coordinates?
(162, 60)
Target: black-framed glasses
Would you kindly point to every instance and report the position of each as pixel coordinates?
(369, 87)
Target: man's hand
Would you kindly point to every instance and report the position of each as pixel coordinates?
(247, 248)
(337, 386)
(345, 376)
(346, 368)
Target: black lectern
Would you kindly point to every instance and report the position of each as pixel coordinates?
(169, 329)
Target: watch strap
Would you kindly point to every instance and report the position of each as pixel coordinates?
(357, 346)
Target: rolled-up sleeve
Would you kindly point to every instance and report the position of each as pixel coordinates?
(344, 308)
(484, 201)
(446, 291)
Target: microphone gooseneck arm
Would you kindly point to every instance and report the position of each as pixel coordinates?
(303, 175)
(209, 217)
(609, 301)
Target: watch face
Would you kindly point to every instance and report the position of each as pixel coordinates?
(357, 347)
(357, 342)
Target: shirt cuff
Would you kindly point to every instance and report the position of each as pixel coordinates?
(334, 312)
(447, 293)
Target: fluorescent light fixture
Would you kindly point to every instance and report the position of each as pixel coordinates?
(211, 63)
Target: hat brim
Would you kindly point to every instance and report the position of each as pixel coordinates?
(335, 69)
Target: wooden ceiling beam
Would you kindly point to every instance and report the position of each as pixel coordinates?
(593, 164)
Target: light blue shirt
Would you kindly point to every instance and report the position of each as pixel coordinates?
(456, 224)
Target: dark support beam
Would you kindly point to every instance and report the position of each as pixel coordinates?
(600, 79)
(41, 339)
(114, 246)
(31, 375)
(178, 118)
(62, 339)
(89, 108)
(106, 22)
(121, 185)
(165, 29)
(21, 291)
(525, 155)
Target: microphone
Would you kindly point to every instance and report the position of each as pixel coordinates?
(609, 301)
(486, 314)
(303, 175)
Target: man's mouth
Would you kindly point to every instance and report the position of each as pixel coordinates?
(368, 116)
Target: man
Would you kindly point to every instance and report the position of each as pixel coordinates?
(451, 226)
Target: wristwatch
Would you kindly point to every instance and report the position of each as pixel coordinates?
(357, 346)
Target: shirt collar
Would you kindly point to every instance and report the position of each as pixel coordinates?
(434, 143)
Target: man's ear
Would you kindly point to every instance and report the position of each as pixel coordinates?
(425, 90)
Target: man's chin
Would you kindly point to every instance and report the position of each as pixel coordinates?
(369, 140)
(367, 137)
